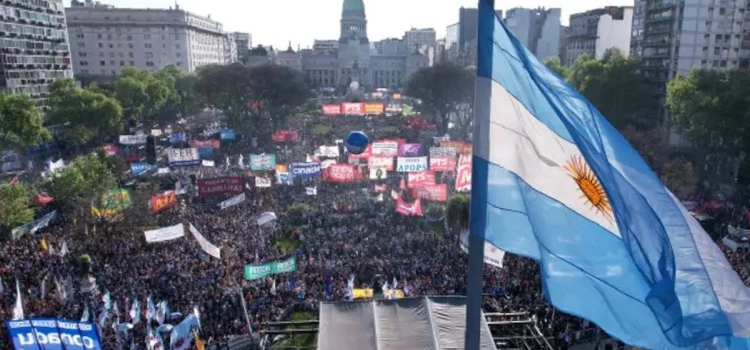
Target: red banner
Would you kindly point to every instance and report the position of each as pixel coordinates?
(457, 145)
(364, 155)
(409, 209)
(380, 188)
(421, 178)
(331, 109)
(111, 150)
(164, 201)
(221, 186)
(398, 141)
(435, 192)
(341, 173)
(353, 108)
(205, 144)
(443, 163)
(285, 136)
(463, 180)
(42, 199)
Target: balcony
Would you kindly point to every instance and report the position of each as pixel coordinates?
(655, 43)
(658, 6)
(659, 19)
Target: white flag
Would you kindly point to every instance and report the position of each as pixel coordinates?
(64, 249)
(18, 306)
(311, 191)
(273, 287)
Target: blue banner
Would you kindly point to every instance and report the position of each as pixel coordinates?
(140, 168)
(53, 334)
(178, 137)
(304, 170)
(227, 135)
(205, 153)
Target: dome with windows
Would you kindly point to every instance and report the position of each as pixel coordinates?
(354, 7)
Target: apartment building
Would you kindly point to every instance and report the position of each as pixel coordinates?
(105, 39)
(594, 32)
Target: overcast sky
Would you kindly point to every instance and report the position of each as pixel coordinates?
(276, 22)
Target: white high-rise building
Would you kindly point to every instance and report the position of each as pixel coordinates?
(596, 31)
(104, 39)
(419, 39)
(538, 29)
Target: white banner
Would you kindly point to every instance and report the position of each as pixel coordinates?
(232, 201)
(442, 151)
(326, 163)
(183, 156)
(329, 151)
(311, 191)
(388, 149)
(492, 255)
(165, 233)
(208, 163)
(262, 182)
(380, 162)
(378, 174)
(411, 164)
(207, 246)
(132, 139)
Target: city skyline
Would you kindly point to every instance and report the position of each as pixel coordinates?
(386, 18)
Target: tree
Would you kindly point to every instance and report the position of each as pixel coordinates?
(20, 122)
(141, 93)
(182, 99)
(229, 89)
(86, 113)
(14, 206)
(554, 64)
(711, 109)
(613, 85)
(443, 89)
(280, 90)
(85, 179)
(457, 212)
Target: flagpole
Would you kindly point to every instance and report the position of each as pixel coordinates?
(478, 213)
(244, 309)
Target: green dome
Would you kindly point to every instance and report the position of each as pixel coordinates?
(354, 7)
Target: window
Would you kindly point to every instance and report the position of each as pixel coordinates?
(101, 45)
(122, 54)
(101, 54)
(722, 11)
(149, 55)
(82, 54)
(130, 54)
(102, 63)
(149, 63)
(114, 72)
(147, 36)
(99, 36)
(130, 37)
(148, 45)
(111, 63)
(122, 63)
(81, 44)
(111, 54)
(111, 46)
(132, 63)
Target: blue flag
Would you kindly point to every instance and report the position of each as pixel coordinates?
(554, 181)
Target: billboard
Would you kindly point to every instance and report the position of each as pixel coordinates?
(332, 109)
(353, 108)
(53, 334)
(221, 186)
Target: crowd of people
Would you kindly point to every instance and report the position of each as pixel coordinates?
(341, 231)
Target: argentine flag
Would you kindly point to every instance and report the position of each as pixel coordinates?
(554, 181)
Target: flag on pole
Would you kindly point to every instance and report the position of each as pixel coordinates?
(553, 180)
(18, 306)
(198, 342)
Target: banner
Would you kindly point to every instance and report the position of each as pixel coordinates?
(393, 108)
(284, 178)
(112, 203)
(443, 163)
(327, 163)
(442, 151)
(262, 162)
(463, 178)
(305, 170)
(221, 186)
(262, 182)
(165, 233)
(33, 226)
(254, 272)
(434, 192)
(111, 150)
(232, 201)
(378, 173)
(411, 164)
(329, 151)
(282, 168)
(207, 247)
(374, 108)
(164, 201)
(366, 293)
(457, 145)
(132, 139)
(364, 155)
(53, 334)
(340, 173)
(386, 149)
(376, 162)
(227, 135)
(331, 109)
(410, 150)
(177, 137)
(420, 178)
(353, 108)
(285, 136)
(183, 156)
(141, 168)
(409, 209)
(205, 144)
(492, 255)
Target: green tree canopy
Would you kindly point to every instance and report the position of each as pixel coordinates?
(280, 90)
(141, 93)
(711, 108)
(229, 89)
(14, 206)
(444, 89)
(87, 178)
(86, 113)
(20, 122)
(554, 64)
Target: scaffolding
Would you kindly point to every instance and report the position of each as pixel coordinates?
(516, 331)
(274, 333)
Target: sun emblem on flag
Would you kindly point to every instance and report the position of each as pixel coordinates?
(591, 189)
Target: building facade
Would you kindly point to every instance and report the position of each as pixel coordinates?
(33, 47)
(105, 39)
(538, 29)
(391, 46)
(243, 42)
(420, 39)
(353, 59)
(596, 31)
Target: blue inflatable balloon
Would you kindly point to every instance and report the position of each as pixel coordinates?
(356, 142)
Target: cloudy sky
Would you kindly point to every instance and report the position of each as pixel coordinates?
(276, 22)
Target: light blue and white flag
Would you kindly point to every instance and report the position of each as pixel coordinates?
(150, 309)
(554, 181)
(181, 337)
(107, 299)
(162, 312)
(135, 311)
(85, 316)
(18, 305)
